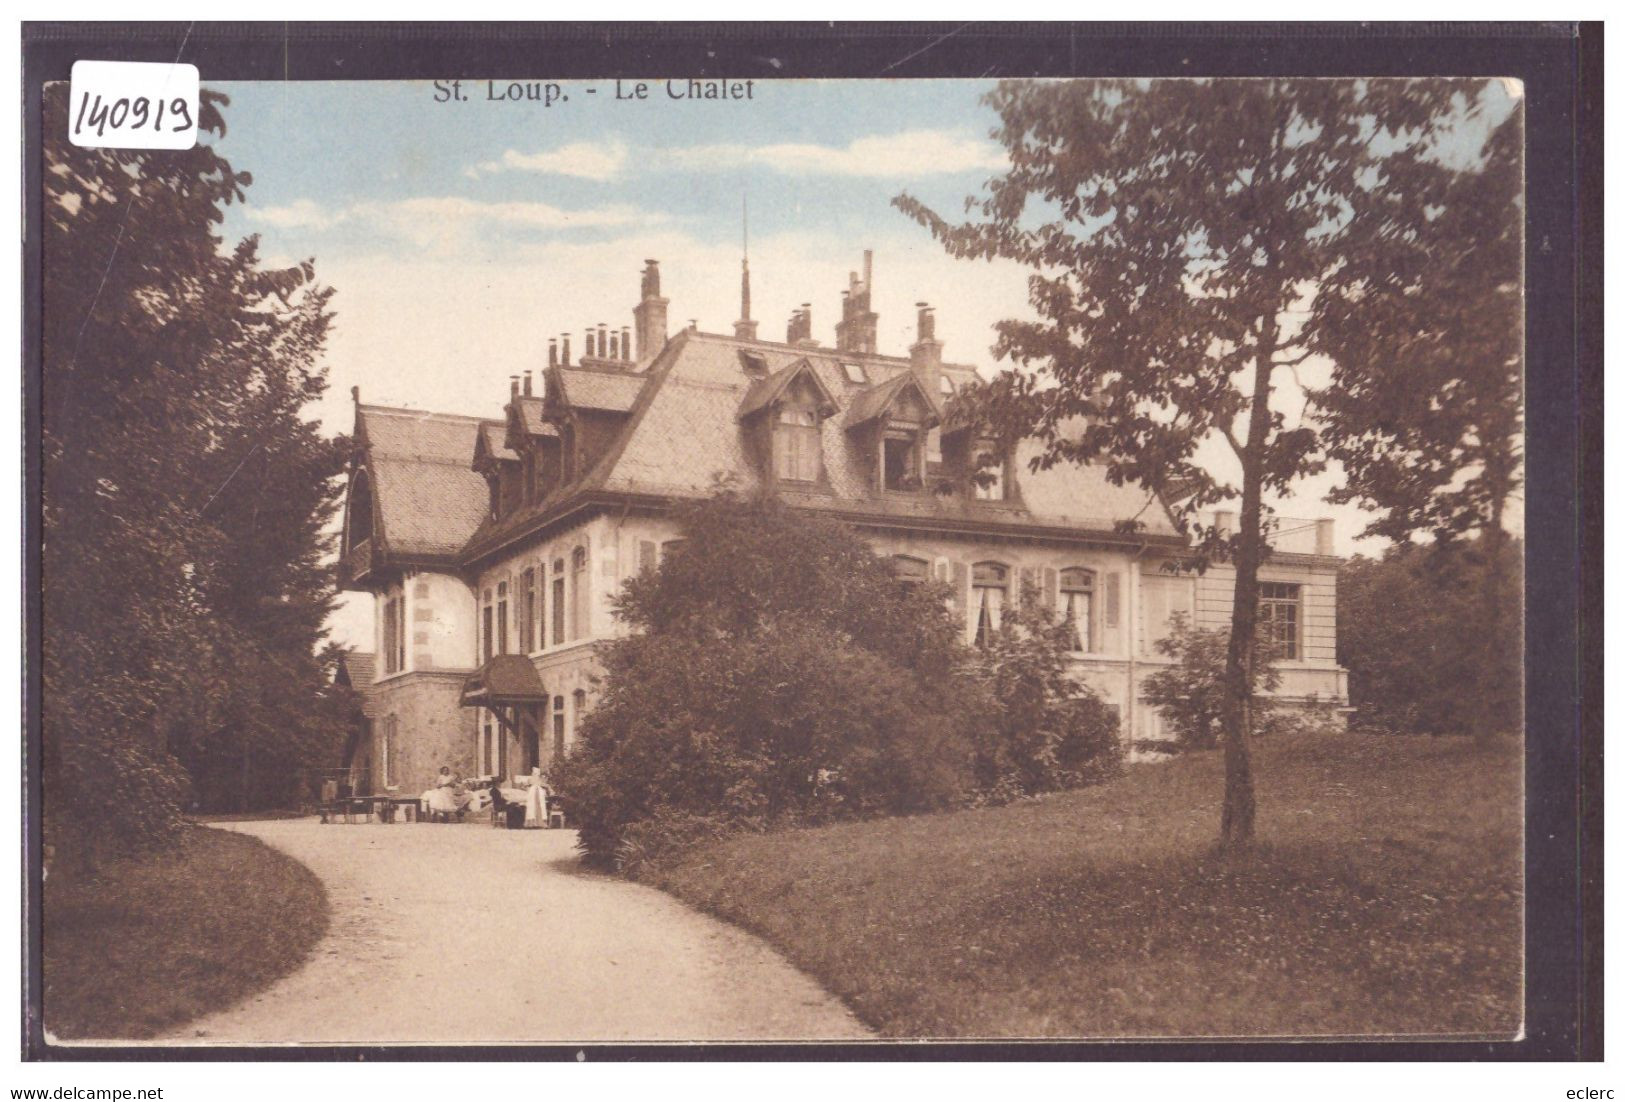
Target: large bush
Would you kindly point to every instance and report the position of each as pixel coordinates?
(778, 672)
(1047, 730)
(1190, 693)
(1432, 638)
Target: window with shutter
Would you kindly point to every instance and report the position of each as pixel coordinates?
(1078, 606)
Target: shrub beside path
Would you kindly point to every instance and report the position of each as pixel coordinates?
(464, 934)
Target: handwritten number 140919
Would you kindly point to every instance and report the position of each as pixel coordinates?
(132, 113)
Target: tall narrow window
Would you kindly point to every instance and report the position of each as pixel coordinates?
(558, 601)
(502, 618)
(579, 700)
(527, 610)
(990, 585)
(487, 629)
(581, 594)
(1078, 605)
(392, 635)
(558, 727)
(796, 444)
(400, 633)
(1278, 607)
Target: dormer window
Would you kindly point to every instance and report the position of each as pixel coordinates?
(796, 444)
(753, 364)
(855, 373)
(946, 386)
(990, 483)
(901, 457)
(783, 418)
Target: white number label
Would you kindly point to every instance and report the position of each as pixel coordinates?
(133, 105)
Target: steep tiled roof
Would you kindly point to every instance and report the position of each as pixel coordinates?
(872, 401)
(765, 391)
(684, 431)
(429, 500)
(494, 434)
(530, 417)
(607, 390)
(358, 669)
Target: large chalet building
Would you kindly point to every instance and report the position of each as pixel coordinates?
(493, 547)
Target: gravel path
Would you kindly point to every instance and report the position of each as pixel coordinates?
(461, 934)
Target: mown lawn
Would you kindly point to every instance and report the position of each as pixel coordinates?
(1385, 899)
(138, 947)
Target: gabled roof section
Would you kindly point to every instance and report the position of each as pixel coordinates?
(584, 388)
(429, 500)
(764, 392)
(491, 446)
(877, 399)
(525, 421)
(358, 670)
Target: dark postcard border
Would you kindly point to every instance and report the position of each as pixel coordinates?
(1561, 66)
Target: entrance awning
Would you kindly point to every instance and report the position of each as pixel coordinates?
(504, 681)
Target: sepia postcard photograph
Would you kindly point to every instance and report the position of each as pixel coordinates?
(773, 559)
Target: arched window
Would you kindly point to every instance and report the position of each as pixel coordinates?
(990, 587)
(909, 570)
(1078, 605)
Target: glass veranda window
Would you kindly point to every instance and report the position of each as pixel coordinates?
(1278, 604)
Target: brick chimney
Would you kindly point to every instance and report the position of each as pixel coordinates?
(925, 354)
(855, 332)
(1324, 544)
(650, 314)
(799, 331)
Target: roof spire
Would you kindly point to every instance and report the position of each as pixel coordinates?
(744, 328)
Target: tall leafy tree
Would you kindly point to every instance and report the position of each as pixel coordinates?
(1180, 233)
(1425, 405)
(183, 495)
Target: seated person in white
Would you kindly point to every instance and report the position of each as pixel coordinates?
(448, 795)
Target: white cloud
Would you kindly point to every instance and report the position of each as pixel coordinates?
(450, 220)
(598, 161)
(905, 154)
(302, 214)
(886, 156)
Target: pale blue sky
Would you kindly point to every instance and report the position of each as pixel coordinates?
(460, 236)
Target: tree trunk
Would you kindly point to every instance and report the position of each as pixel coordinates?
(1240, 806)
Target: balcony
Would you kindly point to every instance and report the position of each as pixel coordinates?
(355, 565)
